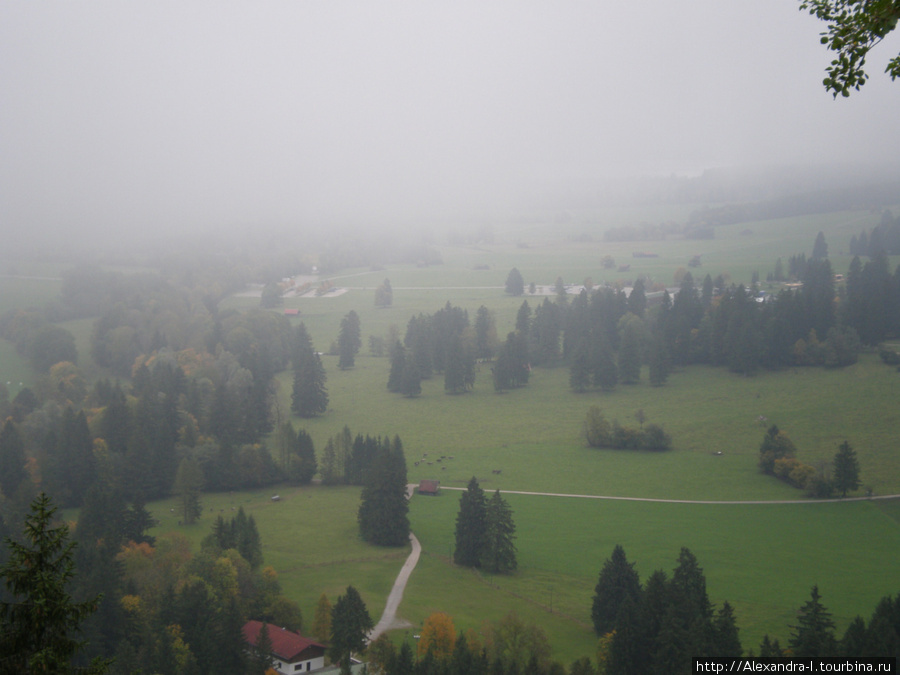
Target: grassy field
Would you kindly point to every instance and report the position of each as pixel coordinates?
(533, 435)
(762, 558)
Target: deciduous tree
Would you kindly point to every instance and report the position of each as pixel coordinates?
(854, 28)
(321, 627)
(438, 637)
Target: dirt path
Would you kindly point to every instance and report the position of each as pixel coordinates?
(389, 620)
(688, 501)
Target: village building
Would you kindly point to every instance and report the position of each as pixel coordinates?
(291, 652)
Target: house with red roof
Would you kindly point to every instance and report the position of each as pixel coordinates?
(291, 652)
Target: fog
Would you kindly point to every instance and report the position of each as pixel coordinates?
(172, 117)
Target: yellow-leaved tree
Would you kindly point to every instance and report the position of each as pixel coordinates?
(438, 637)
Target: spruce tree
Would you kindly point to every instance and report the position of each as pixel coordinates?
(498, 554)
(350, 623)
(813, 636)
(637, 299)
(12, 459)
(846, 469)
(304, 465)
(309, 397)
(470, 526)
(459, 372)
(349, 340)
(726, 640)
(261, 658)
(410, 379)
(629, 368)
(188, 483)
(37, 623)
(398, 364)
(515, 284)
(485, 333)
(383, 508)
(580, 370)
(618, 581)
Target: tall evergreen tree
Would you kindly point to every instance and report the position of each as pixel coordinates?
(75, 463)
(637, 299)
(384, 294)
(471, 525)
(485, 333)
(580, 370)
(515, 284)
(349, 340)
(261, 658)
(725, 631)
(846, 469)
(350, 623)
(309, 397)
(303, 461)
(459, 372)
(498, 553)
(618, 581)
(813, 635)
(523, 318)
(188, 484)
(12, 459)
(820, 248)
(630, 349)
(411, 379)
(37, 625)
(383, 508)
(398, 363)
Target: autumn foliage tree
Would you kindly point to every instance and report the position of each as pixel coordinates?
(438, 637)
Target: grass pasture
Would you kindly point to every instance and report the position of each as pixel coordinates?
(763, 559)
(533, 435)
(310, 537)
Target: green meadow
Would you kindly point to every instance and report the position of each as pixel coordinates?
(762, 558)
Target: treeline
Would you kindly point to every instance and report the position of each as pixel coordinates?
(658, 627)
(509, 646)
(152, 605)
(884, 238)
(824, 201)
(661, 625)
(442, 343)
(659, 232)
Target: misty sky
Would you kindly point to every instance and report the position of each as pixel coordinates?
(171, 115)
